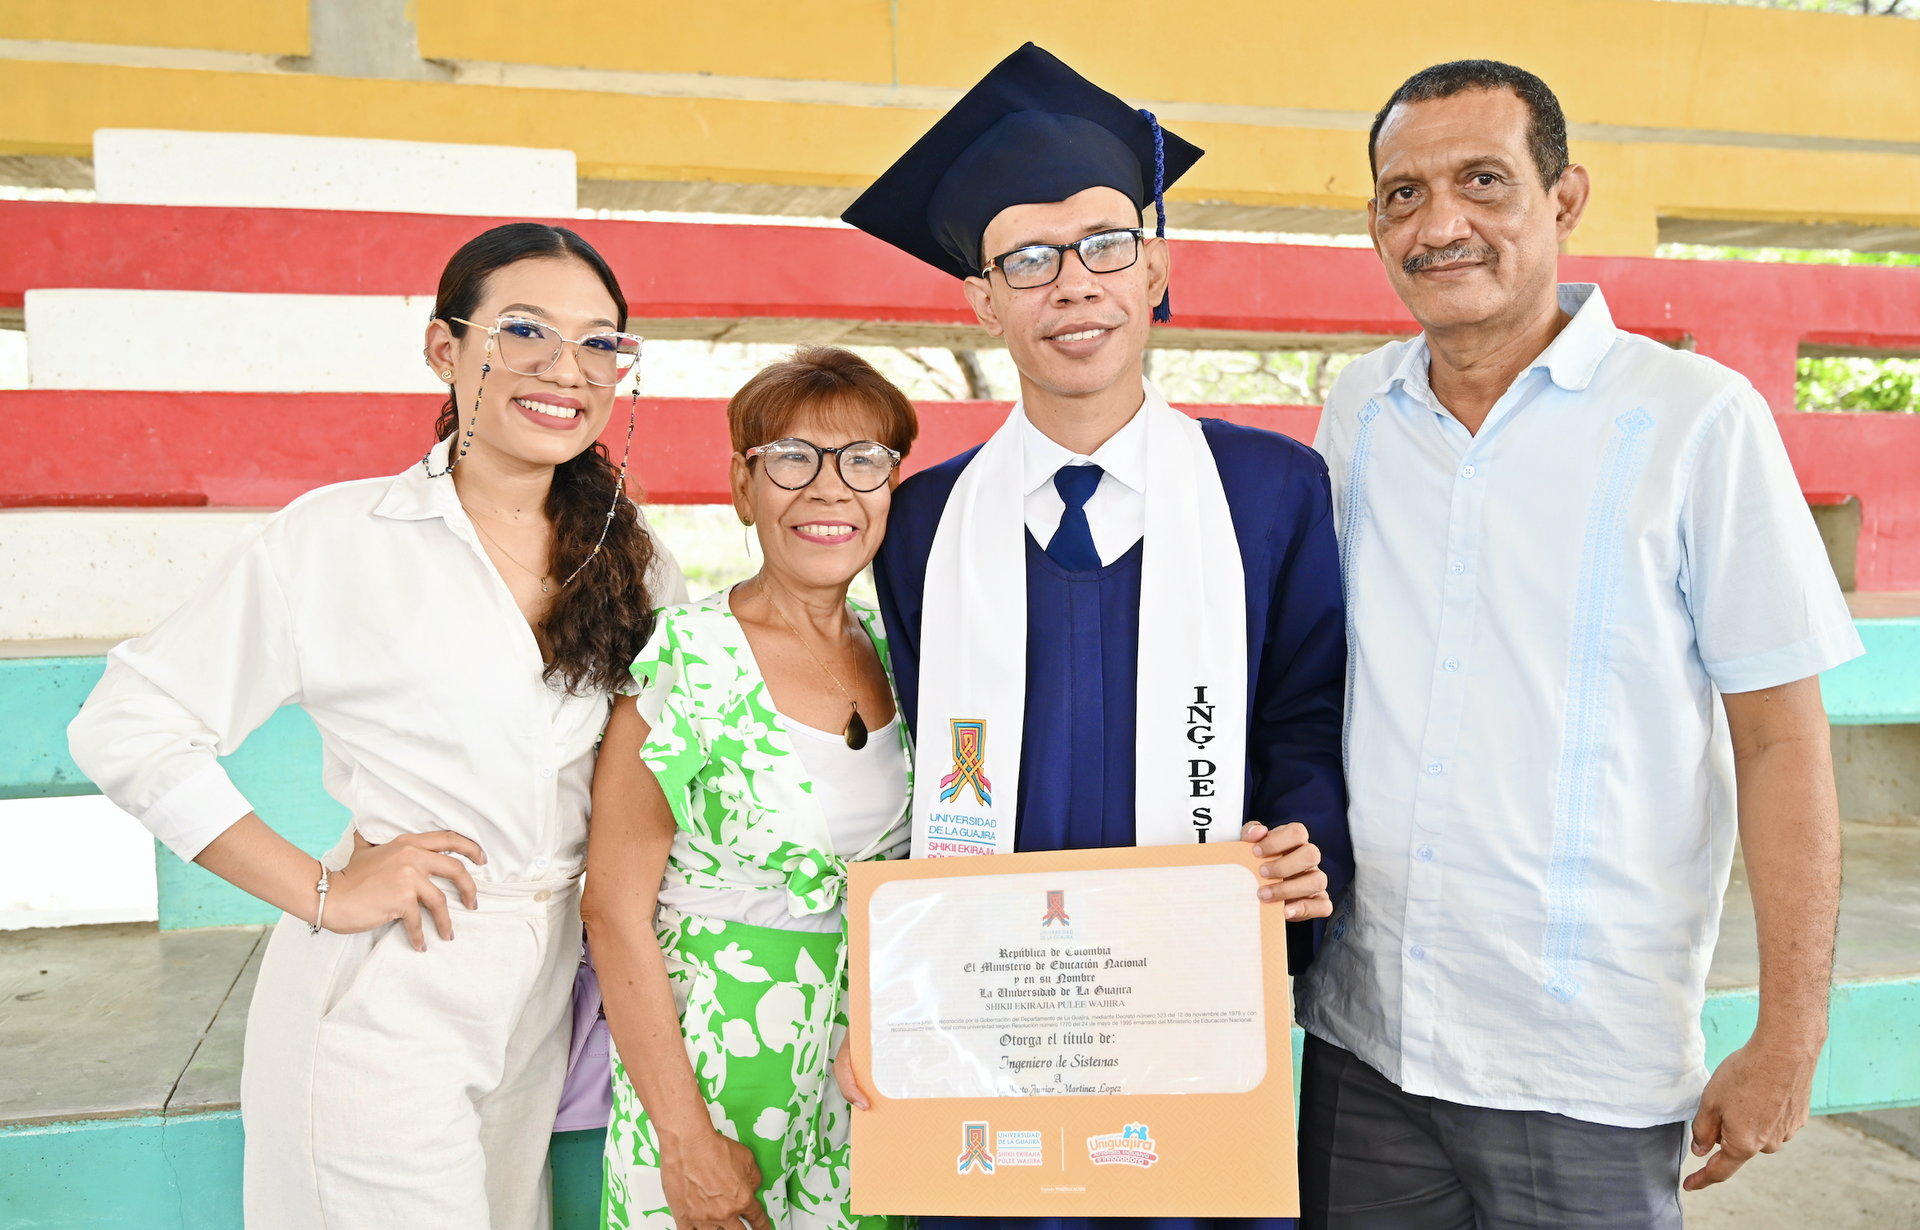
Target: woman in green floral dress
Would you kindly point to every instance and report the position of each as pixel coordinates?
(761, 751)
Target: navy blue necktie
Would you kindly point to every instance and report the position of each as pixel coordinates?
(1072, 545)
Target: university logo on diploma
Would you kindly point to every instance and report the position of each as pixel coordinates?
(1088, 984)
(973, 1149)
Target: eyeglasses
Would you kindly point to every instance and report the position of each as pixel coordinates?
(1039, 264)
(793, 463)
(531, 349)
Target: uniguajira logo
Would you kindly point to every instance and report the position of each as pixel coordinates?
(1056, 909)
(969, 762)
(974, 1154)
(1130, 1147)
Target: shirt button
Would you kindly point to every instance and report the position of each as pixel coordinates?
(1466, 471)
(1452, 664)
(1458, 568)
(1424, 854)
(546, 770)
(1434, 768)
(543, 895)
(1417, 953)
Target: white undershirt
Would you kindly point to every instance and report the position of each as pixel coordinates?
(861, 793)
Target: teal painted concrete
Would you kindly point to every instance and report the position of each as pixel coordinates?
(575, 1157)
(183, 1173)
(39, 697)
(1882, 688)
(1872, 1057)
(146, 1173)
(277, 768)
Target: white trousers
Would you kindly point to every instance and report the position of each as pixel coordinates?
(384, 1087)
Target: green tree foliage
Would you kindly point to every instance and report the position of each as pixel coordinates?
(1859, 384)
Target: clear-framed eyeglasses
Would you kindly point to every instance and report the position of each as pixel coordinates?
(1039, 264)
(531, 348)
(793, 463)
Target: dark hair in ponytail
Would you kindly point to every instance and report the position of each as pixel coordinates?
(598, 624)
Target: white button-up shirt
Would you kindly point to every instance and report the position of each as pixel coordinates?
(373, 606)
(1117, 509)
(1541, 781)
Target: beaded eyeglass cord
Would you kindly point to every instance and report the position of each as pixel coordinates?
(619, 484)
(466, 441)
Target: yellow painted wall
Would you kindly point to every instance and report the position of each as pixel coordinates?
(1631, 62)
(272, 27)
(1626, 63)
(58, 106)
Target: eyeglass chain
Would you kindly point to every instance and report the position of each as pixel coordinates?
(619, 485)
(466, 442)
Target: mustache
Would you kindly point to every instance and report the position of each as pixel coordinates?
(1446, 256)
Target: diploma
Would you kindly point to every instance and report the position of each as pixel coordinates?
(1078, 1033)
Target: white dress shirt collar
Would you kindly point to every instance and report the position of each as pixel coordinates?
(1117, 510)
(413, 496)
(1123, 456)
(1570, 359)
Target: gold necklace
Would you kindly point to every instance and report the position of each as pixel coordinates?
(540, 577)
(856, 732)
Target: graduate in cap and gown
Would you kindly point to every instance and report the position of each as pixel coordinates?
(1111, 624)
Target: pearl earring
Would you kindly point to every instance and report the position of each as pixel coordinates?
(447, 375)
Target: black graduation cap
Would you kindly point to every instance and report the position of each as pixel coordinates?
(1032, 131)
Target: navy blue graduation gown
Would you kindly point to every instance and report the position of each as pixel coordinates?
(1083, 643)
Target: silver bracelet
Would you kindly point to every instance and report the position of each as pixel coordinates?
(322, 911)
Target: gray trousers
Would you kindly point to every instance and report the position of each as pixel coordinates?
(1373, 1157)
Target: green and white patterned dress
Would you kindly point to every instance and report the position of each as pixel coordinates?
(760, 1007)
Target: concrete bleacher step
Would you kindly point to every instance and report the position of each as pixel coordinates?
(120, 1050)
(124, 1019)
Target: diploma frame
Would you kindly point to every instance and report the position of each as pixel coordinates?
(1215, 1154)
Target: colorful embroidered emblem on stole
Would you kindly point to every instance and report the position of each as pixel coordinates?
(969, 762)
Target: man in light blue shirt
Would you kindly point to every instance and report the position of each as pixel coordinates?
(1586, 605)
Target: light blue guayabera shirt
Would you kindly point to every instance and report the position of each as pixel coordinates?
(1541, 778)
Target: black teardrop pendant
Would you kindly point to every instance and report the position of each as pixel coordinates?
(856, 730)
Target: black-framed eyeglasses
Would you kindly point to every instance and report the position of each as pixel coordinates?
(1039, 264)
(793, 463)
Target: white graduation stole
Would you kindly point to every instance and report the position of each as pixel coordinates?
(1191, 731)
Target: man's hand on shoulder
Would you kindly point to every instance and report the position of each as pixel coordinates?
(1292, 872)
(1755, 1102)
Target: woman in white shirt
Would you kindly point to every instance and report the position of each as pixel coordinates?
(763, 753)
(454, 632)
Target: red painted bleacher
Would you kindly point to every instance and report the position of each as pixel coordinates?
(1751, 316)
(262, 449)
